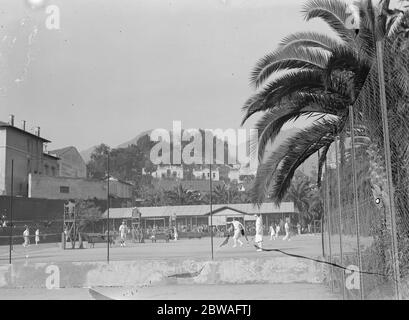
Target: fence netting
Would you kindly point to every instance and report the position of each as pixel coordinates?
(363, 229)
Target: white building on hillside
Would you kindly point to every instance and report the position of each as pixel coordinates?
(168, 171)
(204, 174)
(237, 171)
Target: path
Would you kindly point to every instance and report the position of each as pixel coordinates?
(295, 291)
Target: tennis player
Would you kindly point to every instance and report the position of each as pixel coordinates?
(237, 232)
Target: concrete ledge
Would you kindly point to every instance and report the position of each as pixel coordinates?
(161, 272)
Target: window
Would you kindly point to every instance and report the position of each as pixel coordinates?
(53, 171)
(64, 189)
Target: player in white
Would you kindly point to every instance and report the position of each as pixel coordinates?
(277, 231)
(287, 230)
(37, 236)
(175, 233)
(258, 239)
(237, 232)
(272, 232)
(122, 231)
(26, 236)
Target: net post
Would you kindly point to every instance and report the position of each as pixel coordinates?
(387, 150)
(355, 192)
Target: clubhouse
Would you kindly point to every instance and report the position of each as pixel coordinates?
(193, 216)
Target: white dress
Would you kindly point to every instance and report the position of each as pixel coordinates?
(259, 230)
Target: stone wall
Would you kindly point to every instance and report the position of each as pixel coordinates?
(160, 272)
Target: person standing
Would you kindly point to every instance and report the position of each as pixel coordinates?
(299, 228)
(3, 221)
(277, 231)
(122, 231)
(175, 233)
(258, 239)
(26, 236)
(37, 237)
(287, 230)
(272, 232)
(237, 232)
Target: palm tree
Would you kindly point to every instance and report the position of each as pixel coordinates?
(225, 194)
(182, 196)
(300, 193)
(152, 197)
(313, 75)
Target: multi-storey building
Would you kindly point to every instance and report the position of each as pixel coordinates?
(26, 151)
(71, 164)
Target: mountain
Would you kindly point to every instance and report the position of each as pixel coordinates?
(134, 140)
(308, 167)
(86, 154)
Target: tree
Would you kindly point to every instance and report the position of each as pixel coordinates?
(313, 75)
(300, 193)
(182, 196)
(152, 197)
(225, 194)
(129, 164)
(97, 166)
(88, 215)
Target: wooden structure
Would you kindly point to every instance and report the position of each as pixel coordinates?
(71, 225)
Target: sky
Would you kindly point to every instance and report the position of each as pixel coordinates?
(116, 68)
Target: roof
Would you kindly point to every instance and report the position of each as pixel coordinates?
(201, 210)
(8, 126)
(121, 213)
(111, 178)
(51, 156)
(61, 151)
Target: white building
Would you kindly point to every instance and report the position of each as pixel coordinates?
(204, 174)
(234, 173)
(237, 170)
(168, 171)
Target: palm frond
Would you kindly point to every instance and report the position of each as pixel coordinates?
(397, 23)
(287, 58)
(282, 87)
(321, 161)
(310, 39)
(283, 162)
(333, 12)
(270, 125)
